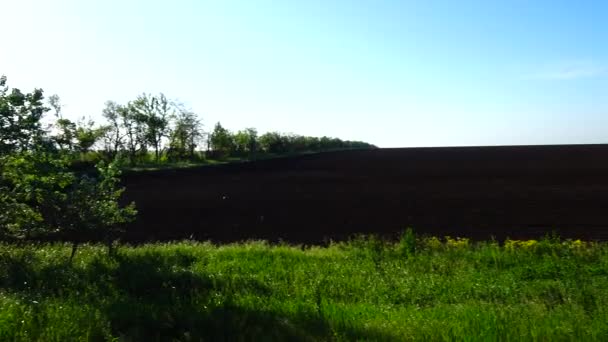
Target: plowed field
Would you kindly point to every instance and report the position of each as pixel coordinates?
(477, 192)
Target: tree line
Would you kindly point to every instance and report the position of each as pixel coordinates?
(247, 143)
(154, 128)
(45, 195)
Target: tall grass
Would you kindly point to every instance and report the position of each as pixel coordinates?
(425, 289)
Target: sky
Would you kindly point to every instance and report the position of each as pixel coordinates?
(393, 73)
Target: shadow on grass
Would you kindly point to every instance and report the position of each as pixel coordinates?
(157, 297)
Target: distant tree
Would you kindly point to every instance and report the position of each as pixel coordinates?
(185, 135)
(87, 135)
(325, 143)
(273, 142)
(297, 143)
(134, 127)
(221, 141)
(312, 144)
(241, 139)
(246, 142)
(154, 112)
(252, 142)
(113, 133)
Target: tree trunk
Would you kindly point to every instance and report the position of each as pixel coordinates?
(74, 248)
(109, 243)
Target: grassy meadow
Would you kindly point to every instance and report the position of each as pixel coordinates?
(365, 289)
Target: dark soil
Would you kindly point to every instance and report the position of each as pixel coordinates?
(477, 192)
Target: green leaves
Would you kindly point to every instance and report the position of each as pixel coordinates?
(41, 196)
(58, 201)
(20, 115)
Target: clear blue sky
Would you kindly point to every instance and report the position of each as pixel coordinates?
(394, 73)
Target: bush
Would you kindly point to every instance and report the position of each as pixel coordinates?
(44, 194)
(407, 243)
(43, 199)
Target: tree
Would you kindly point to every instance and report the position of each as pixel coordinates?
(92, 210)
(20, 131)
(74, 137)
(66, 135)
(40, 195)
(87, 135)
(48, 200)
(113, 134)
(185, 135)
(20, 114)
(221, 141)
(154, 112)
(252, 142)
(133, 125)
(325, 143)
(273, 142)
(246, 142)
(55, 103)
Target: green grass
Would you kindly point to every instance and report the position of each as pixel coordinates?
(151, 165)
(421, 289)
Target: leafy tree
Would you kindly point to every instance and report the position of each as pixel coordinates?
(185, 135)
(241, 140)
(92, 210)
(154, 112)
(312, 144)
(57, 202)
(221, 141)
(273, 142)
(133, 125)
(66, 135)
(55, 103)
(246, 142)
(87, 135)
(252, 142)
(74, 137)
(20, 115)
(41, 197)
(113, 133)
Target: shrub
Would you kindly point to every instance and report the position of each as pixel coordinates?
(432, 243)
(457, 243)
(407, 243)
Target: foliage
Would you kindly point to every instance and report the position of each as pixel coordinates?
(275, 142)
(66, 135)
(114, 135)
(360, 290)
(41, 196)
(222, 142)
(153, 113)
(45, 199)
(407, 243)
(20, 115)
(148, 124)
(185, 136)
(87, 135)
(246, 143)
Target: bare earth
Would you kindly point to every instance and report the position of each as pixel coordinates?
(477, 192)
